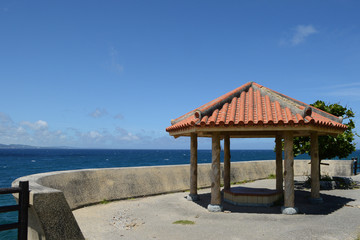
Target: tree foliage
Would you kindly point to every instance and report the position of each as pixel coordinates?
(330, 147)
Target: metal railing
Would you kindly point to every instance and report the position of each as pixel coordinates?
(22, 208)
(356, 165)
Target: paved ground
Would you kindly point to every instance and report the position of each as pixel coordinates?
(153, 217)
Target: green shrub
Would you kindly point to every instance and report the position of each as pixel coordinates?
(271, 176)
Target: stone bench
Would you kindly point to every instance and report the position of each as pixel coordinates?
(244, 196)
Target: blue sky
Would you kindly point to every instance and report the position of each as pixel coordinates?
(112, 74)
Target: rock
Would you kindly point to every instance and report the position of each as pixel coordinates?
(214, 208)
(289, 210)
(192, 197)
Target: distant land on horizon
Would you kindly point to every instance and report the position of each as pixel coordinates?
(21, 146)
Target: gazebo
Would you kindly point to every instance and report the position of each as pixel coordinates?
(254, 111)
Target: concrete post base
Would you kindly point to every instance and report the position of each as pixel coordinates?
(214, 208)
(193, 197)
(316, 200)
(289, 210)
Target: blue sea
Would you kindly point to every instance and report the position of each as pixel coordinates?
(15, 163)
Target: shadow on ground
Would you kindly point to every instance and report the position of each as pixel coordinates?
(331, 204)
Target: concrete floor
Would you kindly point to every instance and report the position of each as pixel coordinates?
(152, 218)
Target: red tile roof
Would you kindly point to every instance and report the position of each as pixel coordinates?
(254, 105)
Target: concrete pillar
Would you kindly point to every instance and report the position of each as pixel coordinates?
(227, 163)
(193, 196)
(215, 204)
(315, 169)
(289, 197)
(279, 163)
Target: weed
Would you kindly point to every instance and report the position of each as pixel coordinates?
(326, 178)
(104, 201)
(271, 176)
(242, 182)
(184, 222)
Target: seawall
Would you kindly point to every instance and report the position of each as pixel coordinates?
(54, 195)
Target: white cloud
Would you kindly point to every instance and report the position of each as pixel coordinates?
(353, 92)
(129, 137)
(119, 138)
(5, 118)
(40, 133)
(20, 130)
(99, 112)
(31, 133)
(345, 85)
(345, 92)
(95, 134)
(114, 64)
(117, 67)
(123, 135)
(113, 52)
(37, 126)
(119, 116)
(299, 35)
(121, 131)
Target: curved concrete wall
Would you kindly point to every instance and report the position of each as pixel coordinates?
(55, 194)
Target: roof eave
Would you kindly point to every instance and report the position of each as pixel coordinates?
(256, 131)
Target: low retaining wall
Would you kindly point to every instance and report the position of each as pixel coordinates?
(54, 195)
